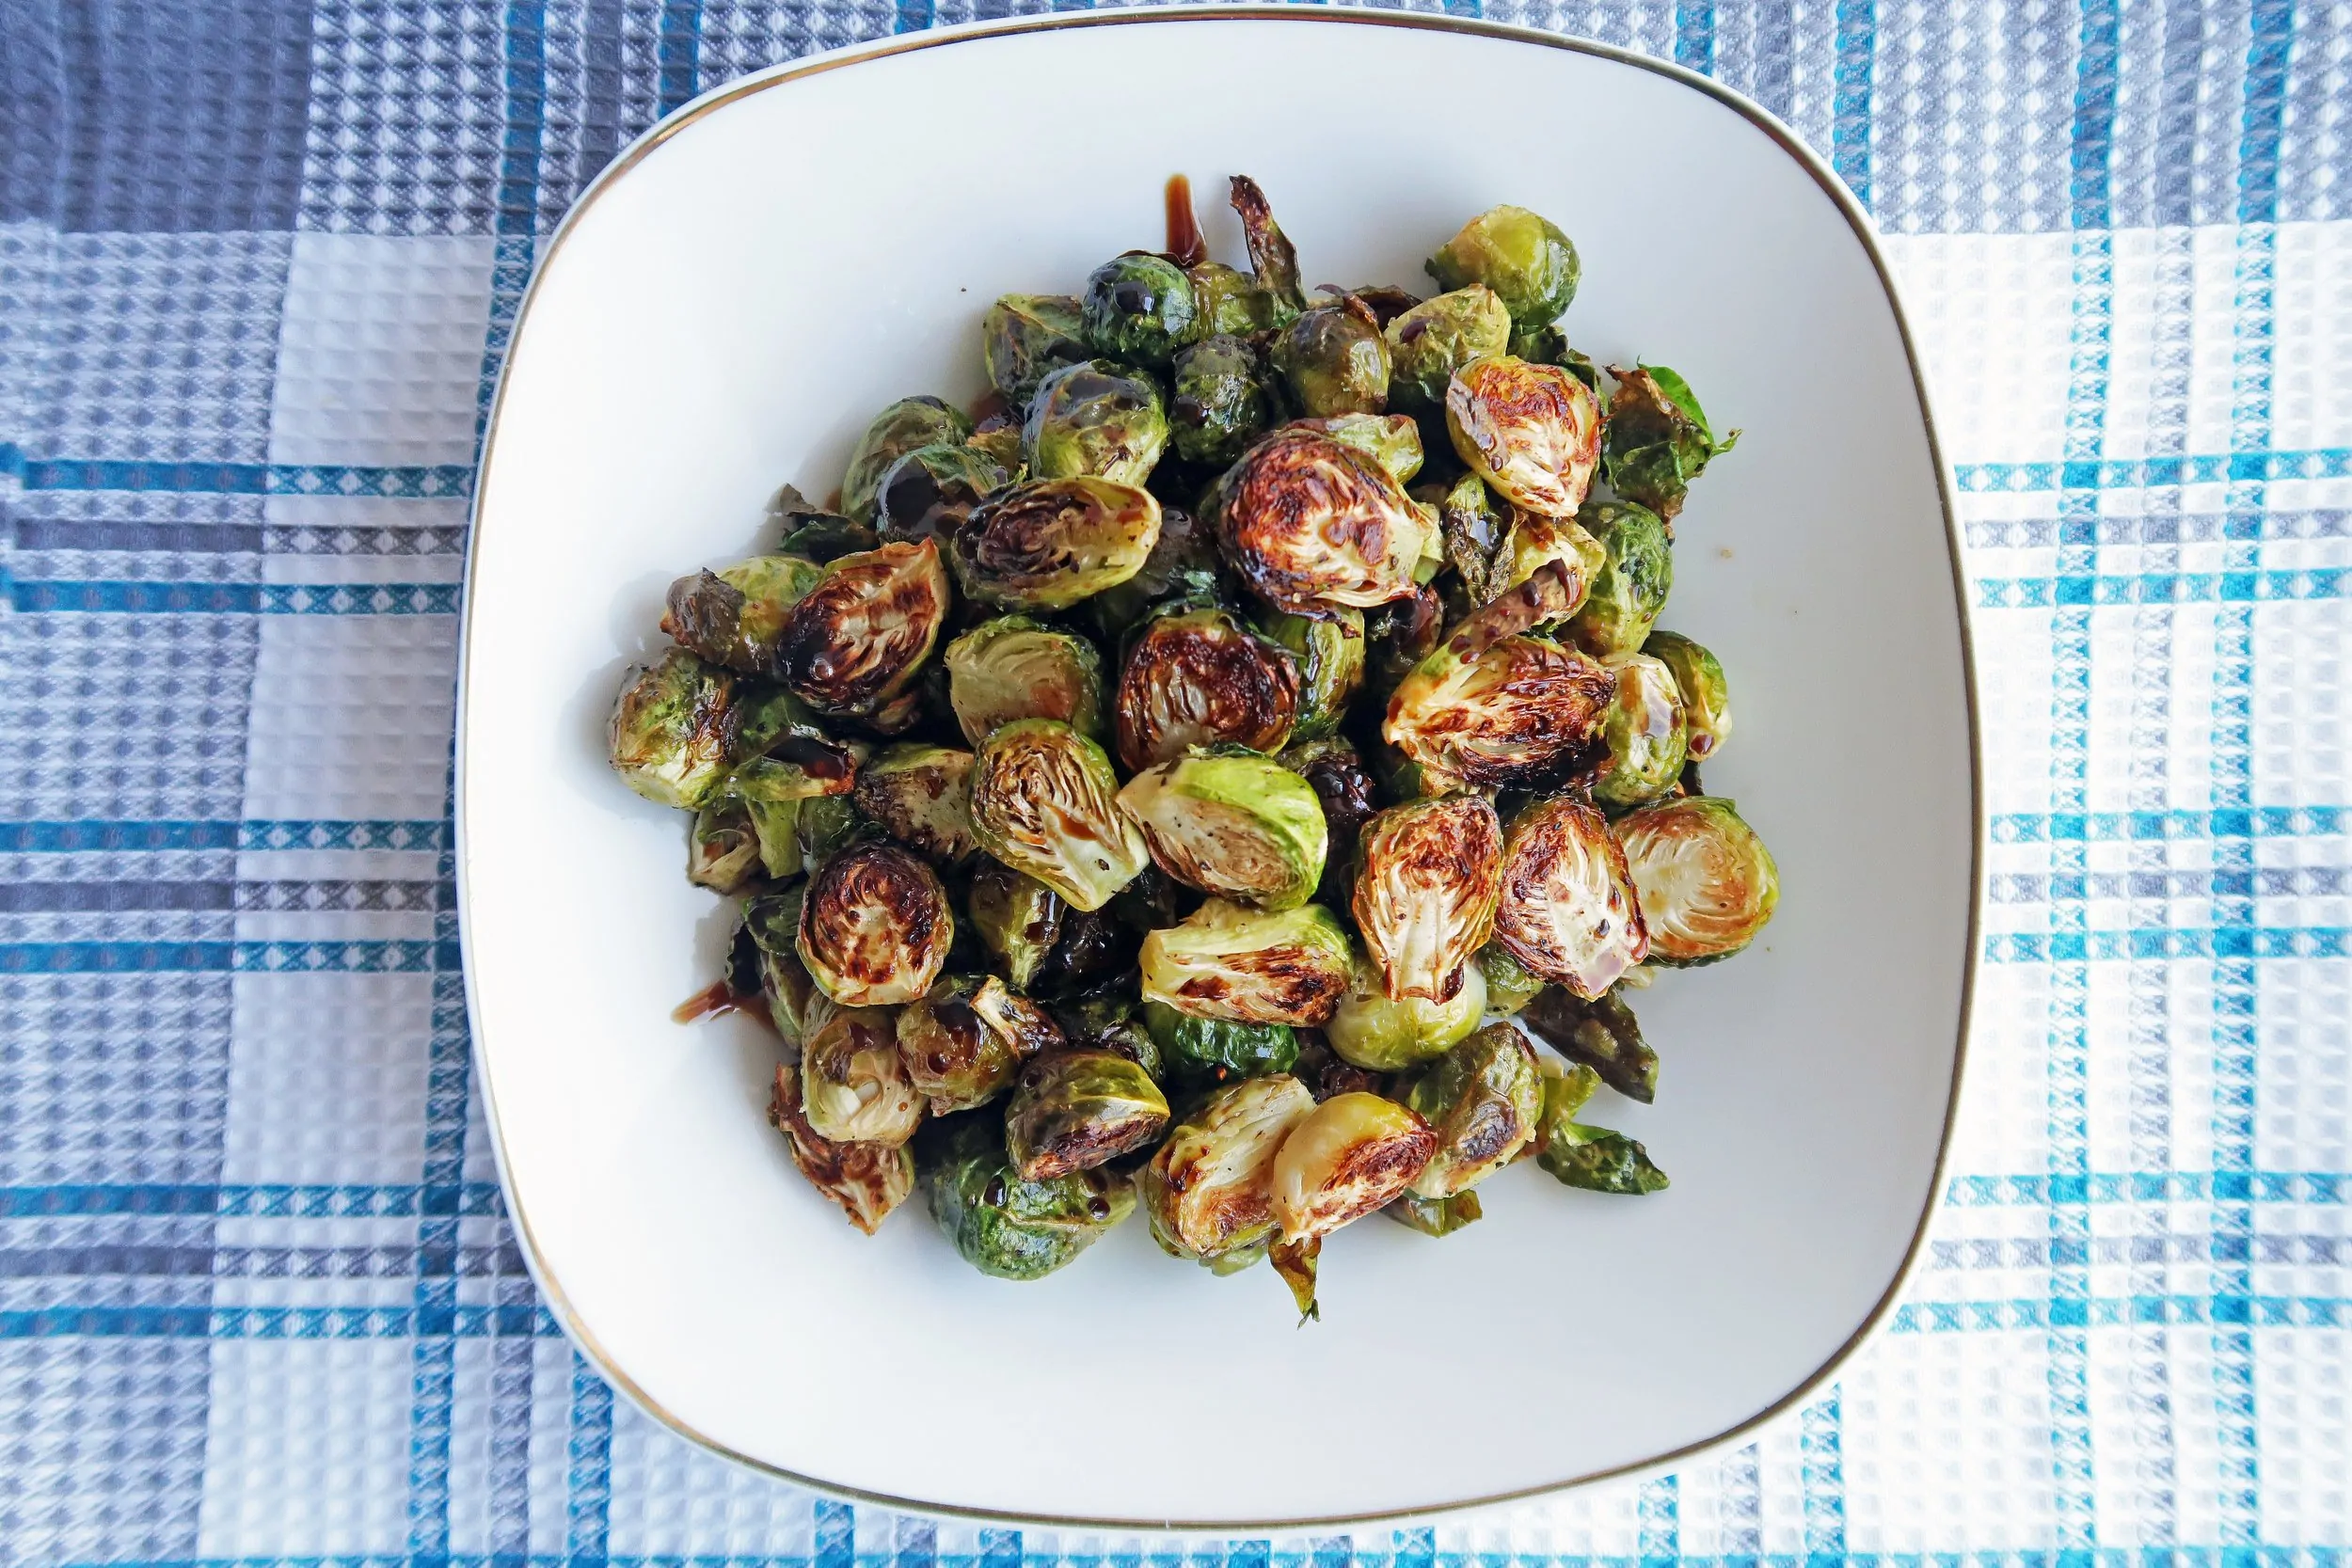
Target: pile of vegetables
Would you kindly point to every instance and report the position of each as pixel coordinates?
(1199, 779)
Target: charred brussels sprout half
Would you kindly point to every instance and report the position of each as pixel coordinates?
(1631, 588)
(916, 794)
(734, 616)
(856, 641)
(1333, 360)
(1707, 883)
(1240, 826)
(1330, 659)
(1657, 440)
(1427, 875)
(1139, 307)
(1520, 255)
(866, 1180)
(1017, 918)
(1348, 1156)
(1220, 404)
(897, 430)
(875, 928)
(853, 1087)
(1198, 679)
(1698, 677)
(1313, 525)
(1372, 1032)
(1008, 1226)
(1257, 966)
(1645, 736)
(1601, 1033)
(1215, 1048)
(963, 1043)
(1530, 431)
(1026, 337)
(1522, 713)
(1484, 1098)
(1049, 543)
(1095, 419)
(1016, 668)
(1437, 338)
(1568, 914)
(928, 493)
(1045, 801)
(1075, 1110)
(1209, 1192)
(674, 729)
(722, 846)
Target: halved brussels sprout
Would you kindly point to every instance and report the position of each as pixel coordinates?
(866, 1180)
(1345, 1157)
(1209, 1192)
(1139, 307)
(1372, 1032)
(1026, 337)
(795, 1005)
(1049, 543)
(1215, 1048)
(1631, 588)
(1075, 1110)
(1015, 668)
(1007, 1226)
(928, 493)
(917, 794)
(1231, 303)
(1483, 1099)
(1706, 881)
(1018, 919)
(1331, 658)
(1240, 826)
(875, 929)
(1198, 678)
(853, 1087)
(1343, 788)
(1657, 440)
(1601, 1033)
(1427, 875)
(1095, 419)
(721, 846)
(1333, 360)
(1645, 736)
(1391, 440)
(1271, 257)
(1259, 966)
(1524, 712)
(1509, 986)
(734, 616)
(676, 729)
(1311, 524)
(963, 1044)
(1520, 255)
(1530, 431)
(1220, 404)
(1438, 337)
(1706, 694)
(1568, 914)
(1045, 801)
(859, 638)
(1437, 1216)
(906, 424)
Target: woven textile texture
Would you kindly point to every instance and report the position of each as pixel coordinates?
(257, 1302)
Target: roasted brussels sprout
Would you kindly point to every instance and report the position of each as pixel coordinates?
(1632, 586)
(928, 493)
(1073, 1110)
(1259, 966)
(1049, 543)
(1271, 257)
(1437, 338)
(1313, 525)
(1045, 801)
(1427, 875)
(917, 794)
(1018, 919)
(1220, 404)
(734, 616)
(1333, 360)
(1007, 1226)
(1644, 734)
(1209, 1192)
(1026, 337)
(1139, 307)
(676, 729)
(1527, 261)
(1374, 1033)
(1330, 659)
(1215, 1048)
(1509, 986)
(1706, 694)
(1437, 1216)
(1016, 668)
(866, 1180)
(795, 1005)
(1657, 440)
(1391, 440)
(875, 929)
(1530, 431)
(1233, 304)
(1706, 881)
(1484, 1098)
(1568, 914)
(906, 424)
(1601, 1033)
(1522, 713)
(1343, 786)
(1198, 678)
(963, 1042)
(1238, 825)
(853, 1087)
(721, 846)
(1095, 419)
(860, 637)
(1348, 1156)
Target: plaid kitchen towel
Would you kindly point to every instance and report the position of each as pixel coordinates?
(258, 1301)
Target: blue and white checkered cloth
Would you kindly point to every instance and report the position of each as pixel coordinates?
(258, 1301)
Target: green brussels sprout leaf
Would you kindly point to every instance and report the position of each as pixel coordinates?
(1658, 439)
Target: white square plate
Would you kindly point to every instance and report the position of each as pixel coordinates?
(723, 312)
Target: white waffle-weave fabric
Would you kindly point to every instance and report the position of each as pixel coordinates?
(257, 1302)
